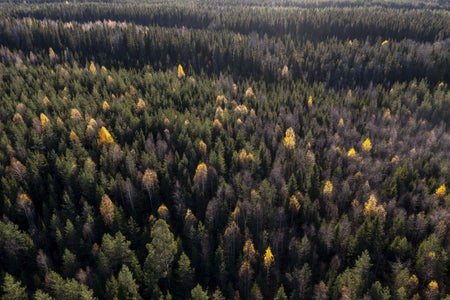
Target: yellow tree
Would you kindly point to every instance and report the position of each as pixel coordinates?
(269, 259)
(140, 105)
(25, 204)
(107, 209)
(105, 106)
(202, 148)
(328, 188)
(367, 145)
(351, 152)
(92, 68)
(289, 139)
(371, 208)
(180, 72)
(310, 101)
(200, 177)
(44, 120)
(441, 191)
(105, 137)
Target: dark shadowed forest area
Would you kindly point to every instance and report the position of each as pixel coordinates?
(208, 149)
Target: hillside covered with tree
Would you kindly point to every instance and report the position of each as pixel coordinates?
(225, 150)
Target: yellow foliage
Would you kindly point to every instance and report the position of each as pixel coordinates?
(46, 101)
(328, 188)
(367, 145)
(289, 139)
(241, 110)
(105, 106)
(221, 99)
(441, 84)
(59, 121)
(201, 175)
(217, 124)
(413, 280)
(105, 137)
(92, 68)
(75, 115)
(44, 120)
(433, 285)
(351, 152)
(249, 93)
(140, 105)
(245, 158)
(310, 101)
(92, 122)
(202, 147)
(441, 191)
(73, 136)
(180, 72)
(371, 208)
(341, 122)
(107, 209)
(163, 212)
(431, 255)
(23, 200)
(268, 258)
(239, 121)
(385, 42)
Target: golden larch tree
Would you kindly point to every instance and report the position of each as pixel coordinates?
(149, 182)
(201, 176)
(269, 259)
(289, 139)
(44, 120)
(367, 145)
(180, 72)
(328, 188)
(107, 209)
(351, 152)
(441, 191)
(105, 137)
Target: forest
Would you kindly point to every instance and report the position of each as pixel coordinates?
(210, 149)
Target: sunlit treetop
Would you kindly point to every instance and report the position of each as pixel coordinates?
(328, 188)
(44, 120)
(105, 137)
(351, 152)
(92, 68)
(441, 191)
(310, 101)
(367, 145)
(249, 93)
(180, 72)
(105, 106)
(140, 105)
(268, 258)
(289, 139)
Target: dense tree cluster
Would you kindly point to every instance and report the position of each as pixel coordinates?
(157, 152)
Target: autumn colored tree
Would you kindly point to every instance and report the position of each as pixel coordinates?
(105, 137)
